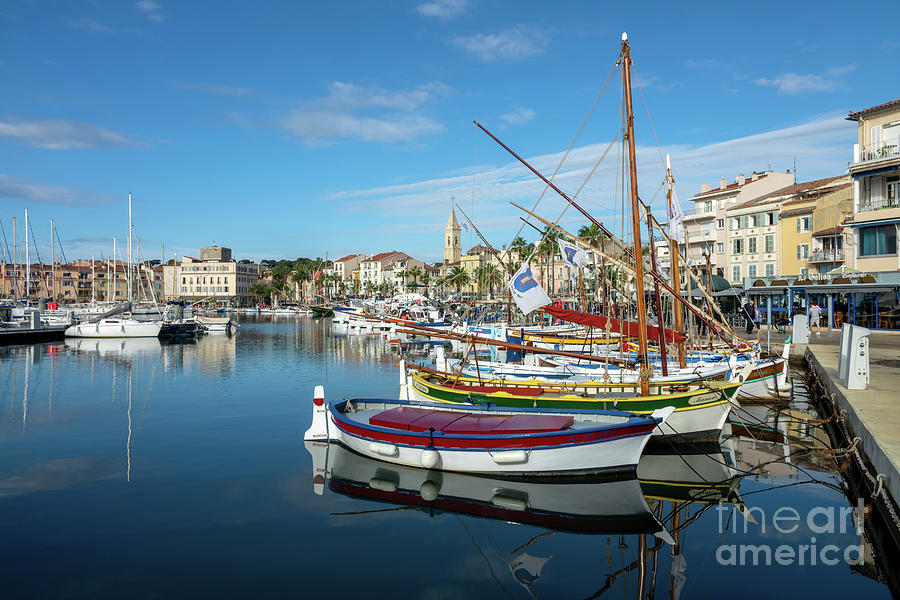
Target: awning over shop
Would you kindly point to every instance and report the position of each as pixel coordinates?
(879, 171)
(872, 223)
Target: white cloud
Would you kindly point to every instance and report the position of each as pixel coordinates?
(320, 126)
(213, 88)
(793, 83)
(61, 135)
(517, 43)
(21, 189)
(821, 146)
(90, 25)
(366, 113)
(703, 63)
(518, 115)
(442, 9)
(150, 9)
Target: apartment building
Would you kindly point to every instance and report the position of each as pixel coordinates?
(706, 225)
(344, 267)
(757, 238)
(80, 281)
(214, 275)
(385, 267)
(876, 187)
(799, 255)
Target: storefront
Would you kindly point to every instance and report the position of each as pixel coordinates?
(867, 299)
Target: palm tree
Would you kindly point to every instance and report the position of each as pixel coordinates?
(490, 277)
(402, 274)
(260, 289)
(297, 278)
(458, 277)
(414, 273)
(591, 233)
(521, 248)
(548, 247)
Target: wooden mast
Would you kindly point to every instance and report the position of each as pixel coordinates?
(636, 223)
(676, 272)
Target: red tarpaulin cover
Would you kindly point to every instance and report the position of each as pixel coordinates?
(630, 327)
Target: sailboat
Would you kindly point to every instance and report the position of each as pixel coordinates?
(110, 324)
(701, 407)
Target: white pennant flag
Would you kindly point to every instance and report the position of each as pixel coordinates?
(676, 221)
(526, 291)
(572, 255)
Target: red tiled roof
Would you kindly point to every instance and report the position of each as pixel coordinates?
(854, 116)
(381, 256)
(829, 231)
(348, 257)
(792, 190)
(829, 190)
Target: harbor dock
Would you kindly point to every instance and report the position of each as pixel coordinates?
(23, 335)
(872, 414)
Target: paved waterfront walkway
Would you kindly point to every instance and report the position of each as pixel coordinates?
(873, 414)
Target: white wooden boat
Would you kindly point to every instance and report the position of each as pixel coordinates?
(488, 441)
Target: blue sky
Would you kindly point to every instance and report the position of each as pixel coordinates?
(285, 129)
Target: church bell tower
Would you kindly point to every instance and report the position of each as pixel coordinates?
(452, 250)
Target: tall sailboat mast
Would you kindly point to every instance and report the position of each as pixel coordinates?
(673, 252)
(52, 264)
(15, 259)
(128, 272)
(27, 263)
(113, 283)
(636, 224)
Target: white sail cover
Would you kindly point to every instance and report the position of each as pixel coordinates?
(572, 255)
(676, 221)
(526, 291)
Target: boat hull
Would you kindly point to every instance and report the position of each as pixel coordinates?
(699, 414)
(115, 329)
(607, 447)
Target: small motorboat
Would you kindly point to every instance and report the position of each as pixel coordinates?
(486, 440)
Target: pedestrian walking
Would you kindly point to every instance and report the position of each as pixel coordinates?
(749, 313)
(815, 313)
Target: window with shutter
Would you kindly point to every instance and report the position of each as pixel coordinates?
(875, 137)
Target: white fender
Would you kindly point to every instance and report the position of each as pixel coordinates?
(429, 458)
(318, 430)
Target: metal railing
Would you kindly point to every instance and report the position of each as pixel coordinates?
(868, 204)
(878, 152)
(827, 256)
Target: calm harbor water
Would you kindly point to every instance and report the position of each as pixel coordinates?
(139, 469)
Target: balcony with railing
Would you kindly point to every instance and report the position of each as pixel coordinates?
(826, 256)
(879, 203)
(875, 152)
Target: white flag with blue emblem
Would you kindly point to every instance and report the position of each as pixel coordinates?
(526, 291)
(572, 255)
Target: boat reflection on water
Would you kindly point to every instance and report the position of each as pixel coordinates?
(589, 505)
(114, 346)
(674, 488)
(704, 473)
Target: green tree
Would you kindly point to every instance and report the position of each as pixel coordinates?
(415, 273)
(457, 278)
